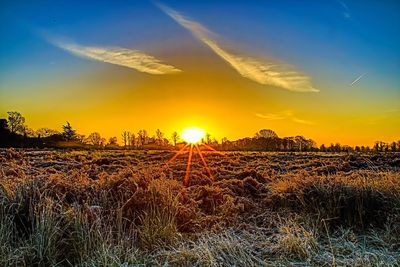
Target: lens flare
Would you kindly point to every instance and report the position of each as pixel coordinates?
(193, 135)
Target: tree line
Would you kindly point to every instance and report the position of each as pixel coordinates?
(15, 133)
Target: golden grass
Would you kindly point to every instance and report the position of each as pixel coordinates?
(81, 208)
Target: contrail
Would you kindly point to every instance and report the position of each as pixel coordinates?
(130, 58)
(357, 79)
(271, 73)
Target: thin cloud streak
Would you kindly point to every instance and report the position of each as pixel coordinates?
(129, 58)
(302, 121)
(346, 13)
(271, 73)
(288, 114)
(270, 116)
(357, 79)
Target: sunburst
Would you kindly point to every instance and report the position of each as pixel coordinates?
(193, 137)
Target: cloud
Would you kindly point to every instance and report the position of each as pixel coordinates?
(283, 115)
(346, 12)
(130, 58)
(357, 79)
(302, 121)
(266, 73)
(270, 116)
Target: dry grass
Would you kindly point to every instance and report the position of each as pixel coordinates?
(81, 208)
(358, 200)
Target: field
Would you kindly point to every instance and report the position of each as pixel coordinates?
(127, 208)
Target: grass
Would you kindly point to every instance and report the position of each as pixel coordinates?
(114, 208)
(358, 200)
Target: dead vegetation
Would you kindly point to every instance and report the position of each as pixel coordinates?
(123, 208)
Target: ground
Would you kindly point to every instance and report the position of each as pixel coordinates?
(127, 208)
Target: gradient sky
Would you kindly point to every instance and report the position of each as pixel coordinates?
(331, 43)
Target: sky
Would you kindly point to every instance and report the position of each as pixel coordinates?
(327, 70)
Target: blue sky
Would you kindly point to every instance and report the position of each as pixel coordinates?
(362, 37)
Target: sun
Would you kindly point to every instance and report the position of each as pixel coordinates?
(193, 135)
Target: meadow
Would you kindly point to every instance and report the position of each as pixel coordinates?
(127, 208)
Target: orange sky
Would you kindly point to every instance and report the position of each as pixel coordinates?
(110, 99)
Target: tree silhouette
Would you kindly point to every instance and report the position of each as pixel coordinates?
(14, 133)
(132, 140)
(125, 138)
(113, 141)
(16, 122)
(4, 125)
(159, 137)
(29, 132)
(46, 132)
(208, 138)
(393, 146)
(266, 133)
(68, 132)
(95, 139)
(175, 137)
(80, 138)
(142, 137)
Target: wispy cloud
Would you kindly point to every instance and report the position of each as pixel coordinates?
(346, 12)
(270, 116)
(130, 58)
(283, 115)
(357, 79)
(267, 73)
(302, 121)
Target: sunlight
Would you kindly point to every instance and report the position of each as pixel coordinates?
(193, 135)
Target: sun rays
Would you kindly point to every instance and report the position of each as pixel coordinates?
(192, 149)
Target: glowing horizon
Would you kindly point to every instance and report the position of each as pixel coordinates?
(193, 135)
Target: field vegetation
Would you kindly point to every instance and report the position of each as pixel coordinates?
(127, 208)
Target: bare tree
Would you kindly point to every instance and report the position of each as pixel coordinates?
(16, 122)
(175, 137)
(142, 137)
(304, 144)
(29, 132)
(95, 139)
(81, 138)
(125, 138)
(208, 138)
(132, 140)
(159, 137)
(113, 141)
(46, 132)
(139, 138)
(145, 137)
